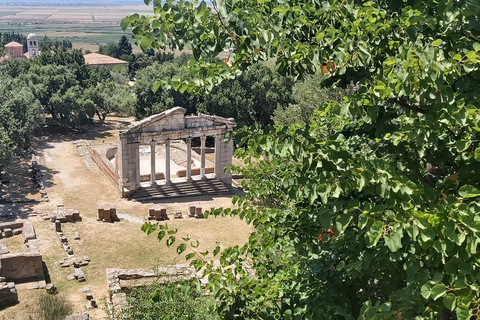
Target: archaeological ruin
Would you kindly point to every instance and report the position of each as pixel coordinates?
(169, 129)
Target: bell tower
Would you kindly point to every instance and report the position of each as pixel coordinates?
(32, 45)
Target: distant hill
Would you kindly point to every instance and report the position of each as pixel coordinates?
(71, 2)
(102, 3)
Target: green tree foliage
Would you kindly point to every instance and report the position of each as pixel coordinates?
(65, 86)
(308, 95)
(143, 60)
(120, 50)
(111, 97)
(370, 211)
(19, 116)
(251, 97)
(54, 44)
(149, 101)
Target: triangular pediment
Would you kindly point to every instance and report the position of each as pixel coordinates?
(175, 119)
(172, 119)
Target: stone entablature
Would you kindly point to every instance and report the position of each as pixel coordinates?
(162, 129)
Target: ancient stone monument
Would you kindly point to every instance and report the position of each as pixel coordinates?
(163, 128)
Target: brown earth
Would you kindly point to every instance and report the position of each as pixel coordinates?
(74, 180)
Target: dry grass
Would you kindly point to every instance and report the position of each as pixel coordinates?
(15, 244)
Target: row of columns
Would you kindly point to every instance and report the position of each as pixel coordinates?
(168, 180)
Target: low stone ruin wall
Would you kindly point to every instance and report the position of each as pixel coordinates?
(26, 266)
(21, 267)
(100, 157)
(118, 281)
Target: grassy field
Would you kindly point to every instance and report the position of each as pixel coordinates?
(89, 25)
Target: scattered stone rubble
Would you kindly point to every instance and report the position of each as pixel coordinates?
(79, 316)
(92, 303)
(70, 215)
(8, 293)
(37, 173)
(71, 260)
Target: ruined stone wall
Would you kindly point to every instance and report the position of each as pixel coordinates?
(104, 164)
(22, 266)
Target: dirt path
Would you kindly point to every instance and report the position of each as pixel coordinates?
(72, 179)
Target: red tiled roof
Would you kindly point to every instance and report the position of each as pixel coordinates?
(97, 58)
(13, 44)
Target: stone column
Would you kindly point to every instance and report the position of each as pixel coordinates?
(202, 165)
(136, 156)
(218, 156)
(189, 159)
(167, 162)
(153, 171)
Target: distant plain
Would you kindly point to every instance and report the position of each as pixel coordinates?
(85, 26)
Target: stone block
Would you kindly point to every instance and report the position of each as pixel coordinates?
(76, 215)
(33, 246)
(61, 218)
(3, 248)
(51, 289)
(28, 231)
(151, 211)
(17, 232)
(69, 217)
(178, 214)
(21, 266)
(58, 226)
(8, 232)
(8, 295)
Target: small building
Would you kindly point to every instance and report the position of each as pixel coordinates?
(13, 50)
(101, 60)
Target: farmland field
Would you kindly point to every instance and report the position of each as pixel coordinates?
(84, 26)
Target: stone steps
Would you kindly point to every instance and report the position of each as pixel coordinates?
(182, 189)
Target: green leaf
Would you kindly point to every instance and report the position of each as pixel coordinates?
(182, 247)
(170, 241)
(216, 251)
(124, 23)
(425, 291)
(436, 43)
(155, 296)
(449, 301)
(477, 154)
(463, 313)
(438, 291)
(189, 256)
(468, 191)
(160, 235)
(462, 145)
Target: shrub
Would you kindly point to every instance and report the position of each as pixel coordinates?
(159, 301)
(53, 307)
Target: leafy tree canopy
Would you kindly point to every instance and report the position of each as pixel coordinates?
(371, 210)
